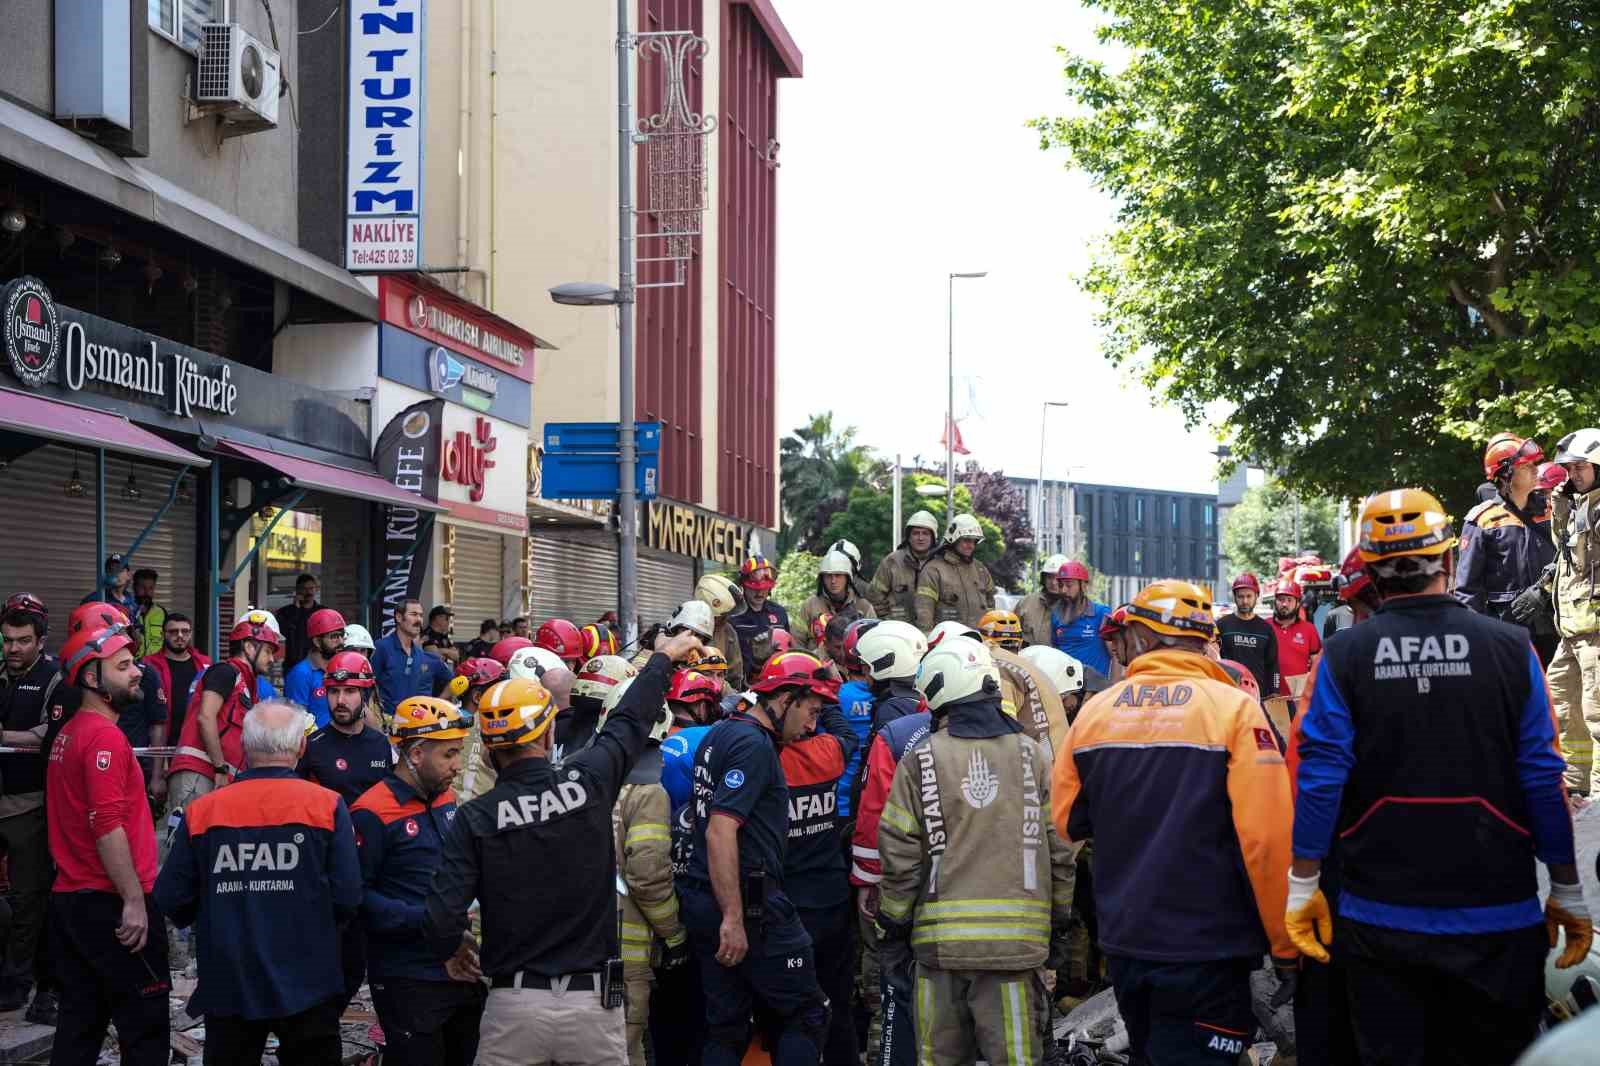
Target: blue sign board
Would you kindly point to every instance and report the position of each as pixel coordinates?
(415, 361)
(593, 476)
(572, 437)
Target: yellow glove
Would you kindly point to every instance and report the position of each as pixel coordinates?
(1308, 919)
(1566, 911)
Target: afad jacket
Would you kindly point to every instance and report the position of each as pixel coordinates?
(399, 837)
(1503, 552)
(1177, 777)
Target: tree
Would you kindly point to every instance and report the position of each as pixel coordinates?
(995, 498)
(1261, 529)
(1369, 229)
(819, 466)
(797, 579)
(867, 520)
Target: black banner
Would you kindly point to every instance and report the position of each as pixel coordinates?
(407, 453)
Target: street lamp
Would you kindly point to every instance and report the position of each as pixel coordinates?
(950, 398)
(586, 294)
(1038, 522)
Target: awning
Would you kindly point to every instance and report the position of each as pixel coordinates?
(33, 141)
(87, 428)
(322, 477)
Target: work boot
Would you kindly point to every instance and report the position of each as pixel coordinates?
(45, 1008)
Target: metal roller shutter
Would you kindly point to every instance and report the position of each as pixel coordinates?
(665, 581)
(344, 535)
(476, 565)
(52, 535)
(574, 575)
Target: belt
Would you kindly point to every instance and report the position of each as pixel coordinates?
(202, 755)
(576, 982)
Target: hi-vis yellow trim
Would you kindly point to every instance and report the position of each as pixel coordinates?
(1018, 1020)
(895, 907)
(978, 907)
(951, 933)
(898, 817)
(647, 831)
(924, 1019)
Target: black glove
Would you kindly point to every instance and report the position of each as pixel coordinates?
(1533, 610)
(1288, 981)
(674, 956)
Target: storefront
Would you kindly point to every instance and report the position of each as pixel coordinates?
(454, 400)
(114, 440)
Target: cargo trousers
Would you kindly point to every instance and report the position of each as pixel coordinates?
(966, 1015)
(1574, 678)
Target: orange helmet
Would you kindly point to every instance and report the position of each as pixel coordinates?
(819, 627)
(1002, 629)
(690, 686)
(1508, 451)
(597, 640)
(428, 718)
(1115, 623)
(1404, 522)
(515, 712)
(95, 615)
(1174, 609)
(709, 660)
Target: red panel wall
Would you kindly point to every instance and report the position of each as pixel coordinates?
(668, 352)
(746, 373)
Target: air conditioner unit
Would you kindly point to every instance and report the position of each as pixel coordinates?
(239, 71)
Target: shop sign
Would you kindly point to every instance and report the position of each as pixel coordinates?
(685, 530)
(407, 454)
(457, 325)
(383, 212)
(423, 315)
(30, 330)
(465, 457)
(414, 361)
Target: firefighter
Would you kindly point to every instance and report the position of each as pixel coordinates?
(1574, 672)
(975, 884)
(1505, 542)
(894, 586)
(1001, 629)
(429, 1008)
(759, 616)
(539, 843)
(1036, 608)
(1188, 891)
(476, 777)
(722, 595)
(1065, 674)
(955, 585)
(835, 595)
(575, 726)
(1428, 750)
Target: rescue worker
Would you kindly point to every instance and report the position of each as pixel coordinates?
(1189, 890)
(109, 954)
(747, 936)
(562, 639)
(759, 615)
(1428, 748)
(1506, 543)
(1574, 672)
(303, 683)
(955, 585)
(975, 885)
(1358, 600)
(856, 703)
(506, 647)
(581, 720)
(556, 983)
(476, 776)
(835, 595)
(693, 700)
(1298, 644)
(597, 640)
(1112, 631)
(429, 1009)
(347, 755)
(1001, 629)
(722, 595)
(647, 909)
(1036, 608)
(1075, 621)
(894, 586)
(1247, 639)
(269, 854)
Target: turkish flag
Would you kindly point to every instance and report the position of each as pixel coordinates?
(957, 447)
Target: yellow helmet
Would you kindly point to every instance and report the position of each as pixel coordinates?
(515, 712)
(1001, 629)
(1403, 522)
(428, 718)
(1174, 609)
(709, 660)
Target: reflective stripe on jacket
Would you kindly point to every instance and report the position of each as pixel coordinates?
(639, 823)
(952, 588)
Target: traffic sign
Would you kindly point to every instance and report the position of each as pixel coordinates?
(593, 476)
(567, 438)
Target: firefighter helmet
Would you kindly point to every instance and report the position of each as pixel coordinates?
(597, 640)
(357, 638)
(718, 592)
(952, 628)
(600, 675)
(1001, 629)
(1064, 671)
(892, 649)
(957, 669)
(757, 573)
(693, 615)
(963, 527)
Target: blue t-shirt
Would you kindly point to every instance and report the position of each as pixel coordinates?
(401, 676)
(677, 763)
(1080, 638)
(855, 700)
(303, 685)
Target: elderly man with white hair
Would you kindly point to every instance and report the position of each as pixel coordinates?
(269, 853)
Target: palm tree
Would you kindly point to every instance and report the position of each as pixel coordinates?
(819, 465)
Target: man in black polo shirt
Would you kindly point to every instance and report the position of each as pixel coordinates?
(436, 637)
(293, 616)
(746, 933)
(347, 755)
(1248, 640)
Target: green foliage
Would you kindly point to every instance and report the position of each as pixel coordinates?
(1369, 229)
(1261, 529)
(866, 520)
(797, 579)
(819, 468)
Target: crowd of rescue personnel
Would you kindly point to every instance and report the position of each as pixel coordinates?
(864, 831)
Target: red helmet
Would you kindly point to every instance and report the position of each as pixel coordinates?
(597, 640)
(1242, 677)
(1072, 570)
(795, 669)
(89, 644)
(1115, 623)
(1552, 476)
(348, 669)
(691, 686)
(852, 636)
(561, 637)
(757, 573)
(323, 622)
(259, 626)
(1507, 452)
(28, 603)
(506, 647)
(1287, 586)
(782, 641)
(819, 627)
(1353, 579)
(1249, 581)
(481, 671)
(95, 615)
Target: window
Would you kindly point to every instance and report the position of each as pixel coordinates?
(1174, 514)
(181, 19)
(1138, 512)
(1172, 555)
(1138, 557)
(1211, 516)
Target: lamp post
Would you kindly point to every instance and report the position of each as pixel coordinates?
(1038, 521)
(950, 397)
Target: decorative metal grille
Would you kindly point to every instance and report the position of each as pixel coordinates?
(673, 142)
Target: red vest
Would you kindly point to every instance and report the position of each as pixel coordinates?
(163, 669)
(230, 726)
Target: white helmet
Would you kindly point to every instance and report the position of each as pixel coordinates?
(1052, 565)
(891, 649)
(531, 663)
(850, 551)
(601, 676)
(1064, 672)
(951, 628)
(719, 593)
(357, 638)
(662, 723)
(693, 615)
(1580, 445)
(835, 562)
(923, 520)
(261, 617)
(963, 526)
(958, 669)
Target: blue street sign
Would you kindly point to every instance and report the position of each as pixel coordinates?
(566, 438)
(594, 476)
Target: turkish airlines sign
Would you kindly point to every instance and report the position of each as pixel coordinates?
(383, 207)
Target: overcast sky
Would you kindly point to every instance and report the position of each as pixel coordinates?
(904, 158)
